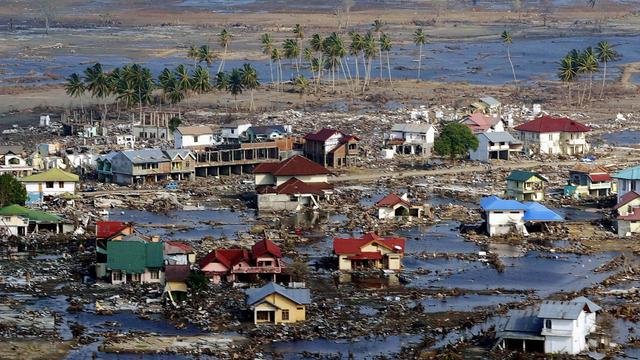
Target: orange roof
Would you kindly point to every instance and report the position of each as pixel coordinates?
(353, 246)
(296, 186)
(391, 200)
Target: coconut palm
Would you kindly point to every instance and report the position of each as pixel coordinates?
(292, 51)
(140, 79)
(369, 51)
(194, 54)
(250, 81)
(419, 38)
(302, 86)
(317, 65)
(316, 43)
(75, 88)
(567, 72)
(205, 54)
(166, 82)
(605, 53)
(298, 31)
(222, 81)
(183, 80)
(355, 48)
(385, 45)
(588, 64)
(377, 28)
(267, 49)
(126, 91)
(507, 40)
(235, 86)
(200, 80)
(175, 95)
(276, 55)
(113, 79)
(224, 39)
(97, 84)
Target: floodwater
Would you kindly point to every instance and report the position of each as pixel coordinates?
(468, 303)
(623, 138)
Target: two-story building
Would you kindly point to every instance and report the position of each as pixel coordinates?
(49, 184)
(481, 123)
(148, 165)
(193, 137)
(134, 259)
(627, 180)
(369, 252)
(12, 162)
(495, 145)
(331, 148)
(235, 131)
(275, 304)
(628, 211)
(585, 180)
(553, 136)
(525, 186)
(411, 139)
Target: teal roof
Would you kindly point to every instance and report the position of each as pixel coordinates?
(629, 174)
(521, 175)
(134, 256)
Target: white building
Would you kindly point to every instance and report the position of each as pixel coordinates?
(553, 136)
(54, 182)
(507, 216)
(234, 131)
(495, 145)
(628, 180)
(193, 137)
(559, 327)
(413, 139)
(128, 141)
(12, 162)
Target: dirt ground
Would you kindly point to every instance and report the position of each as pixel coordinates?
(35, 349)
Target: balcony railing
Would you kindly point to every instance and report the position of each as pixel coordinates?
(258, 270)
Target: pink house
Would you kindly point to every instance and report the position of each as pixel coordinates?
(263, 262)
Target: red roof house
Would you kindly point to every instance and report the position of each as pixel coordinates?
(562, 136)
(109, 230)
(331, 148)
(479, 123)
(293, 166)
(369, 251)
(549, 124)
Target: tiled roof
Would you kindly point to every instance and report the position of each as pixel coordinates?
(627, 198)
(296, 186)
(298, 296)
(265, 247)
(600, 177)
(227, 257)
(54, 174)
(479, 122)
(293, 166)
(549, 124)
(107, 229)
(322, 135)
(134, 256)
(391, 200)
(348, 246)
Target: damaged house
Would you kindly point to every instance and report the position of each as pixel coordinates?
(291, 185)
(49, 184)
(148, 165)
(553, 136)
(506, 216)
(331, 148)
(495, 145)
(12, 161)
(20, 221)
(393, 206)
(628, 214)
(411, 139)
(263, 262)
(481, 123)
(525, 186)
(627, 180)
(585, 180)
(108, 231)
(557, 327)
(369, 252)
(275, 304)
(193, 137)
(134, 259)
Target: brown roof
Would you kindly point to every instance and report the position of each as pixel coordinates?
(296, 186)
(590, 169)
(547, 124)
(195, 130)
(391, 200)
(322, 135)
(293, 166)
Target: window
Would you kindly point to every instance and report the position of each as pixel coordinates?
(547, 324)
(232, 131)
(263, 316)
(155, 275)
(195, 139)
(49, 184)
(116, 276)
(135, 277)
(285, 315)
(300, 307)
(61, 184)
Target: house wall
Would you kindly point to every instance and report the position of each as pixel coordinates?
(307, 179)
(517, 189)
(11, 224)
(624, 186)
(502, 222)
(344, 263)
(386, 213)
(282, 202)
(554, 143)
(394, 262)
(296, 312)
(145, 277)
(183, 141)
(566, 336)
(264, 179)
(482, 152)
(234, 133)
(627, 228)
(37, 190)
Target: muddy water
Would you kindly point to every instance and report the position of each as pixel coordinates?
(468, 303)
(623, 138)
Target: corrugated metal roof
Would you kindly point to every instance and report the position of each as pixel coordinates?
(494, 203)
(524, 321)
(36, 216)
(133, 256)
(632, 173)
(538, 212)
(565, 310)
(500, 136)
(179, 152)
(54, 174)
(491, 101)
(412, 127)
(299, 296)
(146, 156)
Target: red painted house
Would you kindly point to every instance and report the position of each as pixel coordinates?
(263, 261)
(331, 148)
(370, 251)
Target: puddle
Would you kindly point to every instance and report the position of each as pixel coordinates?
(623, 138)
(440, 238)
(576, 214)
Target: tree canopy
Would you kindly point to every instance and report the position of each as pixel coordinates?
(11, 191)
(455, 140)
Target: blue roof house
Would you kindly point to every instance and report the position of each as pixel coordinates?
(506, 216)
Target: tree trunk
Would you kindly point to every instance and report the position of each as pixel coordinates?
(235, 100)
(271, 69)
(590, 83)
(380, 55)
(513, 70)
(419, 62)
(357, 72)
(604, 78)
(252, 106)
(389, 68)
(81, 104)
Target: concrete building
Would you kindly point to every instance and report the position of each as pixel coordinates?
(509, 216)
(553, 136)
(133, 259)
(49, 184)
(495, 145)
(628, 211)
(393, 206)
(558, 327)
(369, 252)
(21, 221)
(235, 131)
(148, 165)
(275, 304)
(193, 137)
(331, 148)
(12, 161)
(627, 180)
(153, 125)
(525, 186)
(411, 139)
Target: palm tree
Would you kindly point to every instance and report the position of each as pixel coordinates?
(224, 39)
(292, 51)
(377, 28)
(205, 54)
(141, 79)
(356, 46)
(298, 31)
(175, 95)
(317, 65)
(267, 49)
(369, 52)
(75, 88)
(276, 56)
(194, 54)
(507, 40)
(97, 84)
(235, 85)
(250, 81)
(385, 45)
(183, 80)
(605, 53)
(567, 73)
(222, 81)
(166, 82)
(419, 38)
(588, 63)
(113, 79)
(302, 85)
(200, 80)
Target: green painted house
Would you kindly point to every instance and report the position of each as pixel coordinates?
(525, 186)
(133, 259)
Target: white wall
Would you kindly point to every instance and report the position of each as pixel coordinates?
(183, 141)
(624, 186)
(503, 222)
(67, 186)
(482, 152)
(307, 179)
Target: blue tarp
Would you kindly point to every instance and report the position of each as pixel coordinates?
(538, 212)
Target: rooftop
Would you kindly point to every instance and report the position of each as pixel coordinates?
(322, 135)
(392, 200)
(412, 127)
(632, 173)
(194, 130)
(494, 203)
(521, 175)
(54, 174)
(500, 136)
(298, 296)
(348, 246)
(36, 216)
(293, 166)
(549, 124)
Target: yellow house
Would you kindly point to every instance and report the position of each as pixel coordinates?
(275, 304)
(525, 186)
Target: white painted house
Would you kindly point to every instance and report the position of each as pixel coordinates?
(507, 216)
(193, 137)
(553, 136)
(413, 138)
(234, 131)
(495, 145)
(54, 182)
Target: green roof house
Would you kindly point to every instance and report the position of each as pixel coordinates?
(133, 259)
(20, 221)
(525, 186)
(51, 183)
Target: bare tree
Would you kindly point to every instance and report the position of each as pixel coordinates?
(48, 11)
(348, 4)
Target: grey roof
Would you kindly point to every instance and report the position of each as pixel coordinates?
(14, 149)
(132, 237)
(414, 128)
(489, 100)
(592, 306)
(108, 156)
(266, 130)
(194, 130)
(500, 136)
(298, 296)
(523, 321)
(146, 156)
(566, 310)
(182, 152)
